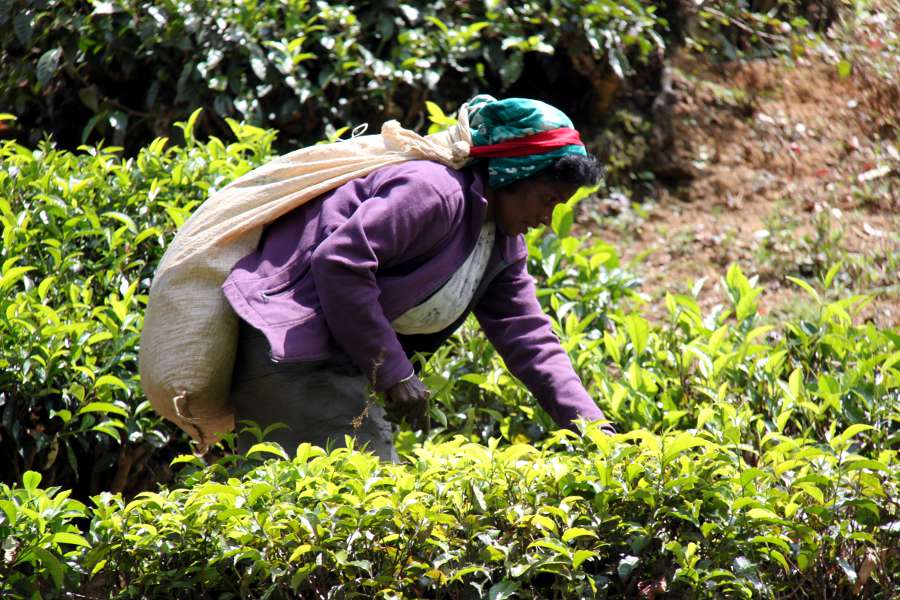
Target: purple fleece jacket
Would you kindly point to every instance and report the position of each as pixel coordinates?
(331, 275)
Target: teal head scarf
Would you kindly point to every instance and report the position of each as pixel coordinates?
(493, 121)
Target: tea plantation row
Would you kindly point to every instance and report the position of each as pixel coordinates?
(755, 460)
(588, 517)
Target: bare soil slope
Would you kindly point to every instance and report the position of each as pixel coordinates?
(793, 167)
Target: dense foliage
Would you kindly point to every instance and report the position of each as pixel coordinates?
(82, 234)
(589, 517)
(757, 459)
(125, 70)
(730, 29)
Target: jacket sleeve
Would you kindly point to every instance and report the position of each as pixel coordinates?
(404, 216)
(512, 319)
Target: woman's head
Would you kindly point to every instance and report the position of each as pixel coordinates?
(529, 202)
(518, 137)
(535, 159)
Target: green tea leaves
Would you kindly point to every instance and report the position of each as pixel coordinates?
(807, 288)
(577, 532)
(103, 407)
(563, 218)
(638, 330)
(267, 448)
(11, 276)
(681, 443)
(503, 590)
(626, 566)
(842, 439)
(47, 66)
(31, 479)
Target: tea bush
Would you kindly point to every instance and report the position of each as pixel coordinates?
(725, 370)
(81, 236)
(40, 538)
(125, 70)
(577, 516)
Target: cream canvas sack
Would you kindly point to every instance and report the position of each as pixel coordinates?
(189, 339)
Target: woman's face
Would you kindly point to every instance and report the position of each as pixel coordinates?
(529, 203)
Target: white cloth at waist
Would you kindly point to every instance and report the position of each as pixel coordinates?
(446, 305)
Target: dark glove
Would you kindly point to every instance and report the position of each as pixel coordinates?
(408, 400)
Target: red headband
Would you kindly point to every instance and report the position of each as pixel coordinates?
(530, 144)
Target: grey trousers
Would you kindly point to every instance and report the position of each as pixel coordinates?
(319, 401)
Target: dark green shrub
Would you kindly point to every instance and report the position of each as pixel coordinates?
(39, 539)
(730, 29)
(125, 70)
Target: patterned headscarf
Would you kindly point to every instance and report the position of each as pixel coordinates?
(524, 135)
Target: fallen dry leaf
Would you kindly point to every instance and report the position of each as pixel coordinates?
(865, 570)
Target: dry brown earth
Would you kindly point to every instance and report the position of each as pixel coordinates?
(794, 168)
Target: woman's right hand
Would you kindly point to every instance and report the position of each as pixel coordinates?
(409, 400)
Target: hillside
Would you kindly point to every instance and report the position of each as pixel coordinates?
(785, 166)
